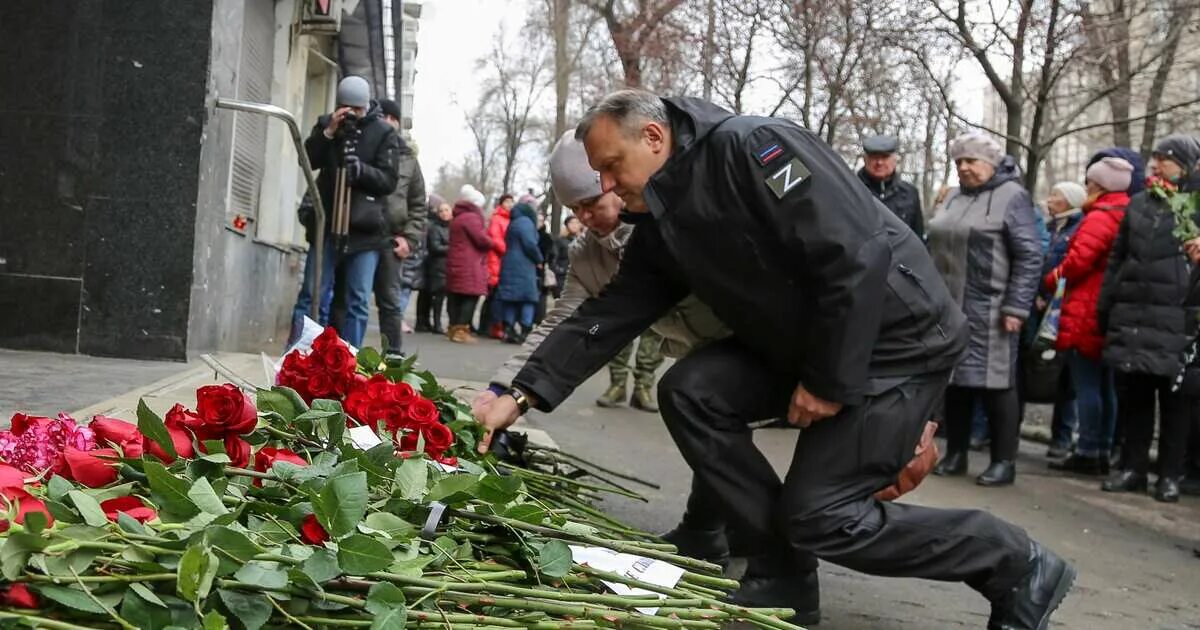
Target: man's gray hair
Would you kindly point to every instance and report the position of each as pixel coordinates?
(629, 108)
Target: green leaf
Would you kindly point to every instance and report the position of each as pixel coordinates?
(390, 524)
(413, 567)
(88, 508)
(360, 555)
(145, 593)
(171, 489)
(57, 488)
(393, 619)
(16, 552)
(35, 522)
(411, 477)
(554, 559)
(322, 566)
(292, 395)
(153, 428)
(252, 609)
(71, 597)
(369, 359)
(113, 492)
(203, 496)
(499, 490)
(145, 615)
(270, 401)
(197, 568)
(214, 621)
(232, 548)
(526, 513)
(266, 574)
(342, 503)
(335, 426)
(383, 597)
(454, 489)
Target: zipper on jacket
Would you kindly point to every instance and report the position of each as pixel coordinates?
(912, 277)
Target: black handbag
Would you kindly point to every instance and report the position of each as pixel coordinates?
(1041, 368)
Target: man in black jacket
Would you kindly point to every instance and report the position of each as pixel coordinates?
(839, 321)
(355, 137)
(880, 176)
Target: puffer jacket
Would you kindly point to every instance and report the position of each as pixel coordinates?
(466, 261)
(1083, 268)
(437, 245)
(518, 269)
(497, 227)
(593, 264)
(1141, 307)
(987, 247)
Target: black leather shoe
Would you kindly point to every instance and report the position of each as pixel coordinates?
(1030, 603)
(1125, 481)
(800, 593)
(1190, 485)
(998, 474)
(1166, 490)
(953, 464)
(1082, 465)
(710, 545)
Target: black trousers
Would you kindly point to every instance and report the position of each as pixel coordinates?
(461, 308)
(825, 508)
(429, 309)
(1175, 418)
(487, 317)
(1003, 410)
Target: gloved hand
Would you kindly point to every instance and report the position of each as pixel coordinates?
(354, 168)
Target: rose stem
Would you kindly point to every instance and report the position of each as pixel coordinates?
(626, 477)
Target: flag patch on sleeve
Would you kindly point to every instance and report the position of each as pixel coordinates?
(769, 152)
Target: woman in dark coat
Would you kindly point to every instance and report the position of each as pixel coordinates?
(547, 274)
(437, 245)
(466, 263)
(1149, 325)
(518, 289)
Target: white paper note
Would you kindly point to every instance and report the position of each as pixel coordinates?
(649, 570)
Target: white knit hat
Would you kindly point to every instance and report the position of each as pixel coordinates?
(1072, 192)
(1111, 173)
(469, 193)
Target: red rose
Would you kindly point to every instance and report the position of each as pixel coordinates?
(326, 339)
(88, 468)
(26, 503)
(267, 456)
(177, 421)
(237, 449)
(118, 433)
(132, 506)
(225, 411)
(423, 411)
(18, 596)
(11, 477)
(438, 438)
(311, 531)
(20, 422)
(320, 385)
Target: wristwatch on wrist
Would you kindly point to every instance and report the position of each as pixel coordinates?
(521, 399)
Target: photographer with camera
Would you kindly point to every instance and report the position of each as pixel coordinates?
(357, 153)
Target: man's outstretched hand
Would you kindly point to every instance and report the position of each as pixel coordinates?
(495, 415)
(806, 408)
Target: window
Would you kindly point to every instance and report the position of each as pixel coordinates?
(250, 130)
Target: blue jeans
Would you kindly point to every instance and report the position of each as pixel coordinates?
(512, 310)
(1066, 418)
(405, 297)
(1095, 404)
(358, 273)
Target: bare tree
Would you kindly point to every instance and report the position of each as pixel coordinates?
(481, 163)
(635, 31)
(518, 78)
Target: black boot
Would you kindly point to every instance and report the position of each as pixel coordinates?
(1166, 490)
(1002, 473)
(1029, 604)
(1125, 481)
(1190, 485)
(710, 545)
(511, 335)
(954, 464)
(1082, 465)
(801, 593)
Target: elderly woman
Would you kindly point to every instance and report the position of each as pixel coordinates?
(985, 243)
(1065, 205)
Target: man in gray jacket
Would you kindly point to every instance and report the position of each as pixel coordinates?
(594, 260)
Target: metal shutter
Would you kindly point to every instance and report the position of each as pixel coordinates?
(254, 84)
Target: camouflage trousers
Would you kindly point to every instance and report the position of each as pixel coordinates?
(647, 360)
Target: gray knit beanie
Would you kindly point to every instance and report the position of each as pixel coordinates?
(354, 92)
(570, 174)
(977, 146)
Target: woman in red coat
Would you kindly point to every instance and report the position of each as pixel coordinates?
(466, 263)
(1079, 332)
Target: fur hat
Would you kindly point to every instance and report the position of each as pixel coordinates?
(977, 146)
(1111, 173)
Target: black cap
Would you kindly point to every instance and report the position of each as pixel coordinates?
(881, 144)
(390, 108)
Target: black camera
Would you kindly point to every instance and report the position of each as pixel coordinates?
(349, 123)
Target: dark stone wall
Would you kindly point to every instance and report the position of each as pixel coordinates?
(104, 106)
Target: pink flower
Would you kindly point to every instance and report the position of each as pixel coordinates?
(36, 444)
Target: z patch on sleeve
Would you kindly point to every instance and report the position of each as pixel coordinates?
(792, 174)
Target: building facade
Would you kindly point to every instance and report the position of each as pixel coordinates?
(137, 219)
